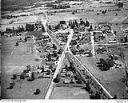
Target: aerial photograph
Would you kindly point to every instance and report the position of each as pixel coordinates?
(64, 49)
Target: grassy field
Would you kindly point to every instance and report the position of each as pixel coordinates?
(14, 61)
(69, 93)
(113, 79)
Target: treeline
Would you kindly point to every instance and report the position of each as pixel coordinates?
(61, 6)
(13, 30)
(28, 27)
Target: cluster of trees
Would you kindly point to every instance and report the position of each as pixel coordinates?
(60, 51)
(105, 65)
(73, 42)
(58, 26)
(54, 46)
(73, 24)
(104, 12)
(120, 5)
(124, 39)
(8, 30)
(49, 57)
(54, 54)
(20, 29)
(13, 30)
(74, 12)
(30, 27)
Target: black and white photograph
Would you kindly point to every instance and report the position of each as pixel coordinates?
(64, 50)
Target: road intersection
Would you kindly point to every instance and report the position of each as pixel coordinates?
(68, 52)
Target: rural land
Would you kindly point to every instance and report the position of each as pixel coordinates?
(64, 49)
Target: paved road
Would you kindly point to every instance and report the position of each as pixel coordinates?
(60, 63)
(48, 32)
(61, 59)
(53, 38)
(14, 61)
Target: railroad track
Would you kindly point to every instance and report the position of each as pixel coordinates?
(72, 58)
(75, 60)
